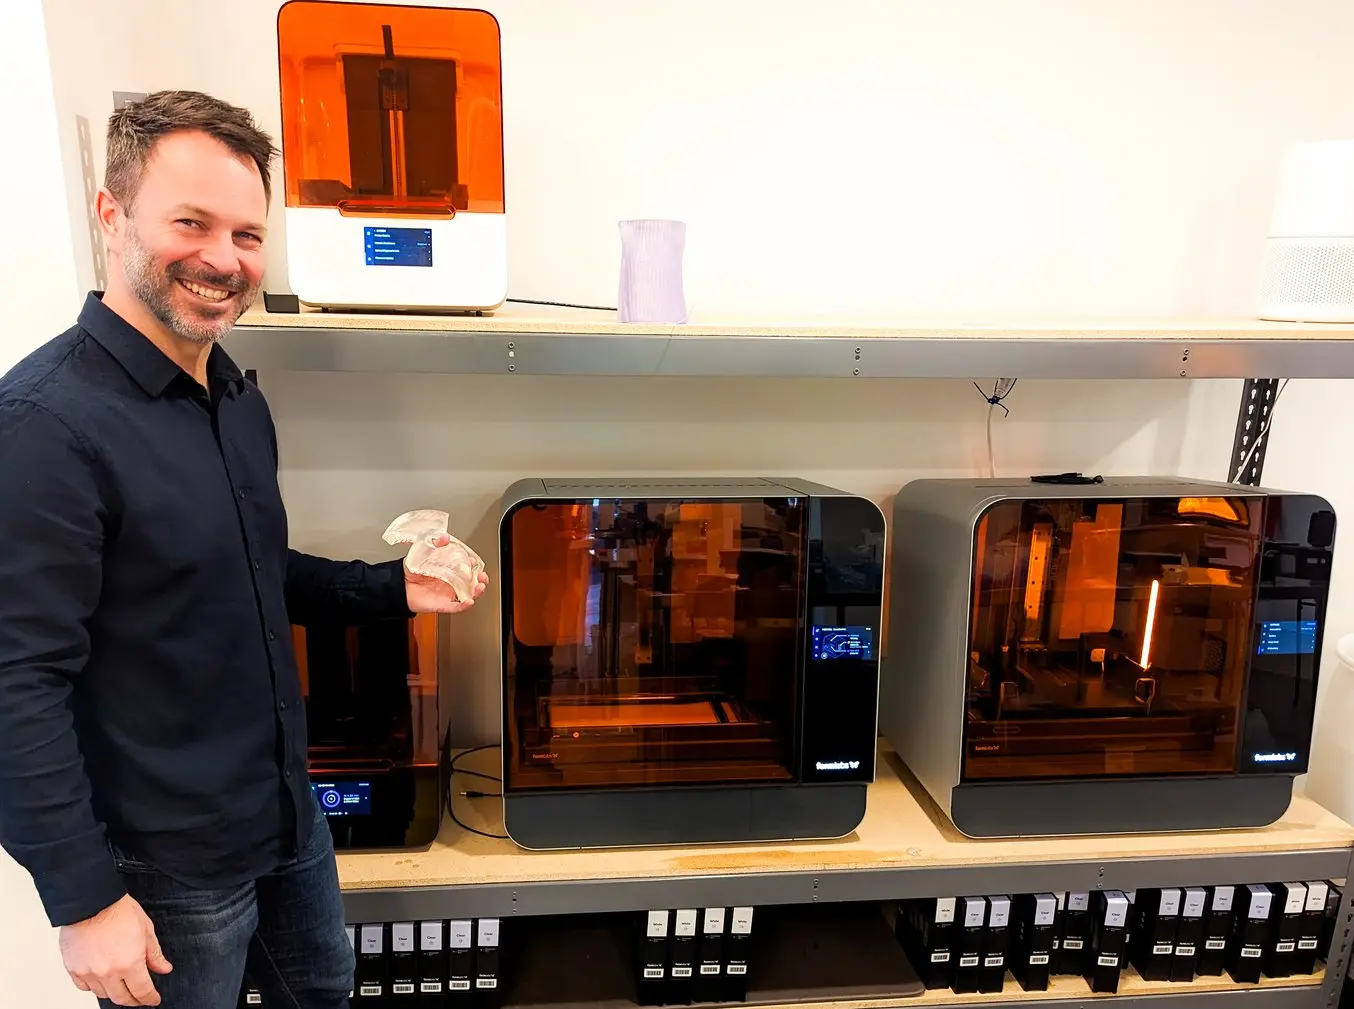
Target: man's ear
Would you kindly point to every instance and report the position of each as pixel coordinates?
(112, 220)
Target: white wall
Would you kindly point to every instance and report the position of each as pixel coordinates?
(37, 268)
(38, 297)
(900, 157)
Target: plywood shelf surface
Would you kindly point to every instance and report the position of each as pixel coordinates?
(1075, 991)
(513, 318)
(520, 339)
(902, 833)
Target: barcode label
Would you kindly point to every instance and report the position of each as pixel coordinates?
(253, 998)
(968, 961)
(653, 971)
(1184, 951)
(994, 961)
(486, 982)
(709, 968)
(1038, 959)
(431, 987)
(681, 972)
(369, 991)
(1163, 949)
(737, 968)
(1307, 944)
(403, 988)
(1216, 944)
(941, 957)
(1071, 944)
(1107, 961)
(1287, 946)
(459, 984)
(1250, 952)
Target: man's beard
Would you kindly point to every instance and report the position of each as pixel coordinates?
(155, 288)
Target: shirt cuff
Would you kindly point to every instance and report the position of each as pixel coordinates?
(81, 888)
(386, 587)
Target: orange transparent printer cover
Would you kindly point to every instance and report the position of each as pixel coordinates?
(390, 110)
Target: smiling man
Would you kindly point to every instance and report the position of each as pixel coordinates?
(152, 727)
(184, 211)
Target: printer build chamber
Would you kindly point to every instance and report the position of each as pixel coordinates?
(1130, 656)
(687, 661)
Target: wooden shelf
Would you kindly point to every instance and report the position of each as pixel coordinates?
(1130, 984)
(902, 829)
(513, 318)
(533, 340)
(903, 848)
(1283, 993)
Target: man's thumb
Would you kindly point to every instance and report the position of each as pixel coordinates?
(155, 958)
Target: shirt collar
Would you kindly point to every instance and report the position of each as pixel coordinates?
(146, 363)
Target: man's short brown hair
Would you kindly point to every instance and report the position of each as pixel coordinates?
(134, 129)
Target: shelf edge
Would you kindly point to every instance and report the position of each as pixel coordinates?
(655, 355)
(504, 899)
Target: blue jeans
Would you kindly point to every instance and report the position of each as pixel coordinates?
(285, 930)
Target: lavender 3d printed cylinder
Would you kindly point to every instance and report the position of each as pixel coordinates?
(651, 272)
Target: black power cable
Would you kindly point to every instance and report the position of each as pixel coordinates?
(451, 791)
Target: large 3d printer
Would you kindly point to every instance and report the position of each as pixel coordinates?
(687, 661)
(1131, 655)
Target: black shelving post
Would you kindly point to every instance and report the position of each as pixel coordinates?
(1252, 431)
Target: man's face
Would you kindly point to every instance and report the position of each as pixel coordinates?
(191, 245)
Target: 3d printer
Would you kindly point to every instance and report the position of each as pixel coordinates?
(1128, 655)
(376, 732)
(687, 661)
(392, 150)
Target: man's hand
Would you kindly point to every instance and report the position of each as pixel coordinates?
(425, 594)
(112, 954)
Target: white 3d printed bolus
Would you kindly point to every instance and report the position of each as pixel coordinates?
(452, 562)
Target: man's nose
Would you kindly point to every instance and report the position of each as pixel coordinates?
(220, 254)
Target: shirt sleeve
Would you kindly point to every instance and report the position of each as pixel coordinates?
(52, 528)
(354, 592)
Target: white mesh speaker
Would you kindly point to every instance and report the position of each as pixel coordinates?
(1308, 274)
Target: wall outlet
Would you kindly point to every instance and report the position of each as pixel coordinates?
(121, 98)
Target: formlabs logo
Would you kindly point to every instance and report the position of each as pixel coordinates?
(1274, 758)
(837, 765)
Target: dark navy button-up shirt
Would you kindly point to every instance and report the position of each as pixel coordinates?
(148, 690)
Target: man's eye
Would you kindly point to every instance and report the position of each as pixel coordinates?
(250, 237)
(189, 222)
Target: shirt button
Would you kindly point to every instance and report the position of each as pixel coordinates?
(282, 705)
(256, 565)
(286, 772)
(241, 494)
(272, 636)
